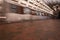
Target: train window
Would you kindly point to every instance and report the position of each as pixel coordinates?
(27, 10)
(13, 8)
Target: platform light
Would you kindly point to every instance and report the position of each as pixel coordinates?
(3, 17)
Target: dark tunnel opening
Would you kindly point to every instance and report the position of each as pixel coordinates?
(56, 11)
(58, 17)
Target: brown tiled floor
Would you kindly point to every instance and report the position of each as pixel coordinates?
(35, 30)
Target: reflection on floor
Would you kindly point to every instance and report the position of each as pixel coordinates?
(31, 30)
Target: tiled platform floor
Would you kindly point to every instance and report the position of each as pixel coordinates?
(31, 30)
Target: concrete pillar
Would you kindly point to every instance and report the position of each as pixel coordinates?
(1, 7)
(7, 7)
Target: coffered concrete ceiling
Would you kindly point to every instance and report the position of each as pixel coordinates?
(52, 1)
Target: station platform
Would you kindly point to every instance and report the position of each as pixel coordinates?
(31, 30)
